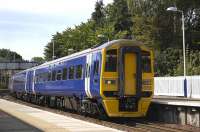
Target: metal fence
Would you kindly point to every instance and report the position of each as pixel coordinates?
(175, 86)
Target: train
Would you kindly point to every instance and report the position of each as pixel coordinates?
(114, 79)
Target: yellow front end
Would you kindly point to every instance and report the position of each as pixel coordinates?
(110, 82)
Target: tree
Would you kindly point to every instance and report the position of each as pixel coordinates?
(7, 55)
(168, 61)
(38, 60)
(58, 41)
(121, 17)
(98, 16)
(145, 20)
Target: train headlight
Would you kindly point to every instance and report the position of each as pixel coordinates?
(112, 82)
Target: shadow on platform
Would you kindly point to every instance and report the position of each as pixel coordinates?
(11, 124)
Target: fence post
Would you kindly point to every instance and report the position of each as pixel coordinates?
(185, 87)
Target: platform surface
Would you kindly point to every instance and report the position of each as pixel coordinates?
(40, 120)
(178, 101)
(11, 124)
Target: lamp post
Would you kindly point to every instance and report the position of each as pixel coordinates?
(174, 9)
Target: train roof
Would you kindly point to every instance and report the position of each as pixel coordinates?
(84, 52)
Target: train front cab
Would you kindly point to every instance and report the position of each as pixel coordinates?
(126, 80)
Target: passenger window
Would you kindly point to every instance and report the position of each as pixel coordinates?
(96, 67)
(54, 75)
(111, 61)
(36, 79)
(71, 72)
(59, 75)
(49, 76)
(40, 78)
(146, 62)
(64, 75)
(45, 76)
(79, 71)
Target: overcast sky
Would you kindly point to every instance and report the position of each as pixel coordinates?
(26, 26)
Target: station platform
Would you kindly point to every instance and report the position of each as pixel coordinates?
(175, 110)
(11, 124)
(39, 120)
(178, 101)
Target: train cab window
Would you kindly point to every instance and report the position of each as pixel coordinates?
(146, 62)
(59, 75)
(79, 71)
(111, 60)
(53, 75)
(64, 75)
(71, 72)
(96, 67)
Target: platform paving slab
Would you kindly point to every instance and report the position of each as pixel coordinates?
(49, 122)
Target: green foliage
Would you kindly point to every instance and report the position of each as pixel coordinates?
(79, 38)
(167, 62)
(144, 30)
(99, 14)
(144, 20)
(39, 60)
(121, 16)
(7, 55)
(193, 67)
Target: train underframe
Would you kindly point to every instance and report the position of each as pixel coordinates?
(85, 106)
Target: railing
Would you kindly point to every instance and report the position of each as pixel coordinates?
(174, 86)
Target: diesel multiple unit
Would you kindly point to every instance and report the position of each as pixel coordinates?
(115, 79)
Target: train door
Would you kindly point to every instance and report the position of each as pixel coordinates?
(130, 73)
(95, 74)
(29, 81)
(87, 75)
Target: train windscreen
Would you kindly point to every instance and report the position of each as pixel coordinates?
(146, 62)
(111, 60)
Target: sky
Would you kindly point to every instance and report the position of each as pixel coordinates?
(26, 26)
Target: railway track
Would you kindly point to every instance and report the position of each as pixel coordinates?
(130, 125)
